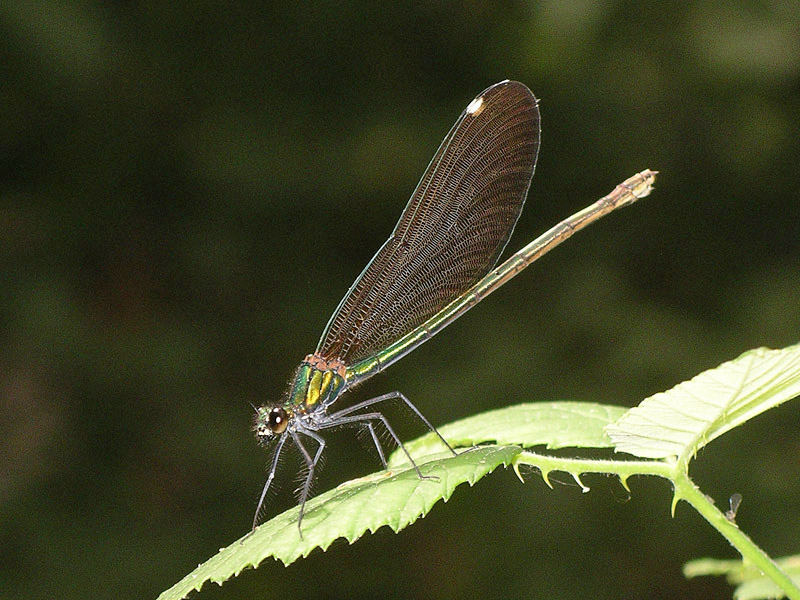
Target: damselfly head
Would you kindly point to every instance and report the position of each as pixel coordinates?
(270, 421)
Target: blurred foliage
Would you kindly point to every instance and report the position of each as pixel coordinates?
(188, 189)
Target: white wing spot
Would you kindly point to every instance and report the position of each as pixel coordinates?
(475, 106)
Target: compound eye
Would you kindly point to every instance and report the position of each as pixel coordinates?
(278, 420)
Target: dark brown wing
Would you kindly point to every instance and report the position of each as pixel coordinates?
(453, 229)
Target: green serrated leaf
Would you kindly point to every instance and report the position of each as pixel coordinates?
(733, 569)
(752, 584)
(758, 589)
(552, 424)
(393, 498)
(762, 588)
(682, 420)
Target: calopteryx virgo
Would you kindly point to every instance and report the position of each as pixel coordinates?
(435, 266)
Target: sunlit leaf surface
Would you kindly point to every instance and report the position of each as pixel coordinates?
(682, 420)
(388, 498)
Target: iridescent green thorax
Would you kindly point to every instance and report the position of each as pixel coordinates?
(316, 382)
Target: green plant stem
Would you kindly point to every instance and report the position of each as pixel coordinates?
(579, 466)
(685, 489)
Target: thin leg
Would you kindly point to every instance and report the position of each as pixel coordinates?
(270, 477)
(336, 420)
(376, 442)
(394, 396)
(312, 464)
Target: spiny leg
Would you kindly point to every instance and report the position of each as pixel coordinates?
(377, 443)
(396, 396)
(336, 420)
(311, 464)
(270, 477)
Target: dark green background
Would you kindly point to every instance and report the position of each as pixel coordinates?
(188, 189)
